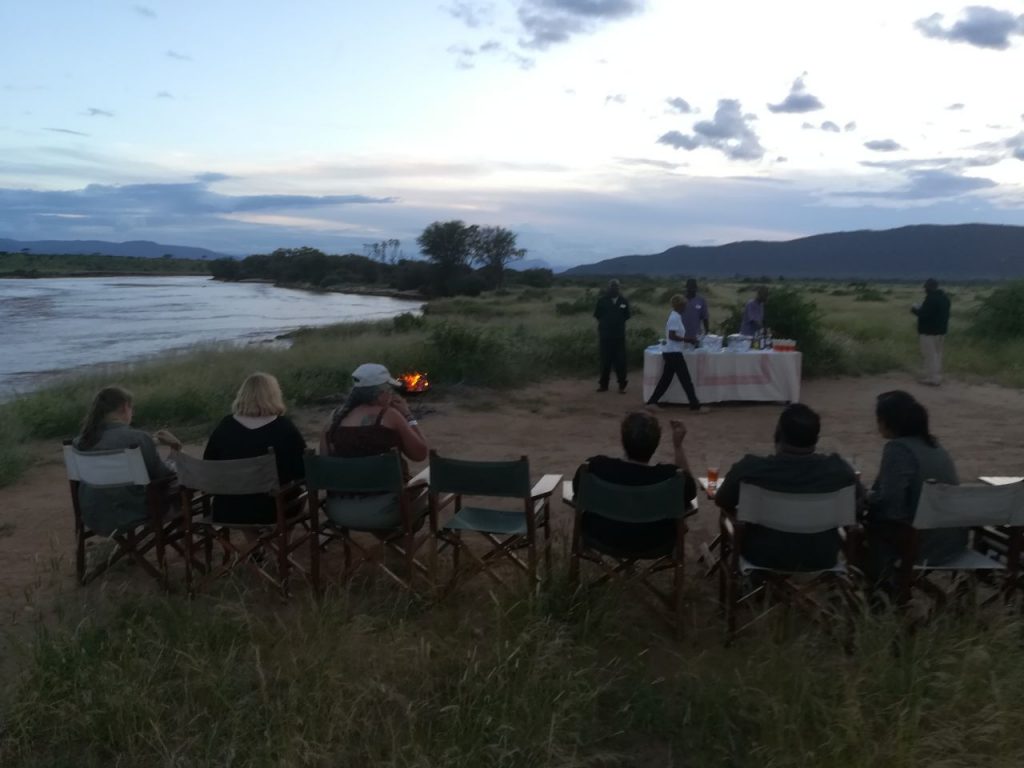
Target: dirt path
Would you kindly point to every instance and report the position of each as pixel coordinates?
(557, 424)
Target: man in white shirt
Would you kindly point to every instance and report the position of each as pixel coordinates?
(672, 355)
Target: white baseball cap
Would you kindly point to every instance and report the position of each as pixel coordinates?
(373, 375)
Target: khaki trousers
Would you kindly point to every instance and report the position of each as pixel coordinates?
(931, 355)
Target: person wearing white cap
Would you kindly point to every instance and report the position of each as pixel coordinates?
(373, 419)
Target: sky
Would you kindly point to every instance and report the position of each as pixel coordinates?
(591, 128)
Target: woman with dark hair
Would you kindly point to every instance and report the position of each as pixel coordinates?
(910, 457)
(108, 426)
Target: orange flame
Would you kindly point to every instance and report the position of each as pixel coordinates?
(416, 381)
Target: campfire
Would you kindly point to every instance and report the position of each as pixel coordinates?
(415, 383)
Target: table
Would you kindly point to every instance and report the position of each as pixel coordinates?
(1000, 480)
(723, 376)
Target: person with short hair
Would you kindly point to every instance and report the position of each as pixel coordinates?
(640, 434)
(695, 314)
(612, 312)
(795, 467)
(932, 327)
(674, 361)
(753, 313)
(911, 456)
(256, 423)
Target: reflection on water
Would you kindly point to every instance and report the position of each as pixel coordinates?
(50, 326)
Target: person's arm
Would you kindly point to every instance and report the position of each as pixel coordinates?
(399, 418)
(705, 318)
(598, 309)
(290, 451)
(889, 497)
(676, 330)
(154, 464)
(625, 309)
(213, 449)
(678, 436)
(728, 494)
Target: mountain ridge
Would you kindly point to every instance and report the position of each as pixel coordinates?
(146, 249)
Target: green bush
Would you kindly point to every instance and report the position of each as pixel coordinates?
(1001, 314)
(584, 303)
(407, 322)
(791, 315)
(869, 294)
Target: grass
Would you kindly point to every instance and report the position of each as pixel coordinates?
(368, 678)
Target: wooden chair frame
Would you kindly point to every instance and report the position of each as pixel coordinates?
(536, 514)
(155, 533)
(274, 538)
(405, 541)
(666, 604)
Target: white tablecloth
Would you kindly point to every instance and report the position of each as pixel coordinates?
(723, 376)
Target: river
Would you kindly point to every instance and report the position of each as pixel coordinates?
(50, 326)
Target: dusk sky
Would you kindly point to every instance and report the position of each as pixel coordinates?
(592, 128)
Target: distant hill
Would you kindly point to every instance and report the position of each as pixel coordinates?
(961, 251)
(140, 248)
(524, 264)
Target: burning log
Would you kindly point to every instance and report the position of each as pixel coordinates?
(415, 382)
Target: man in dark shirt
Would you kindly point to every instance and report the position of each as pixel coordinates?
(695, 314)
(932, 326)
(612, 312)
(795, 468)
(641, 434)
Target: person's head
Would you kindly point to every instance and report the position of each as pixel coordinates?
(691, 288)
(259, 395)
(798, 429)
(899, 414)
(762, 294)
(111, 404)
(614, 288)
(678, 302)
(372, 384)
(641, 434)
(931, 284)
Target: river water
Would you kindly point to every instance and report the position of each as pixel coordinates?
(50, 326)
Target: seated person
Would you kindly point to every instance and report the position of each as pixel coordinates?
(108, 426)
(256, 423)
(374, 419)
(641, 434)
(911, 455)
(794, 468)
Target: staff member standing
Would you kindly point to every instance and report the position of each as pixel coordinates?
(753, 314)
(695, 316)
(932, 326)
(612, 312)
(672, 355)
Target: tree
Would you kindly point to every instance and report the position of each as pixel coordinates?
(449, 245)
(492, 249)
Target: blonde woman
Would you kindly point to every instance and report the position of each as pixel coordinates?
(257, 422)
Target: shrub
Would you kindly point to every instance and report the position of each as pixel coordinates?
(1001, 314)
(407, 322)
(583, 303)
(869, 294)
(791, 315)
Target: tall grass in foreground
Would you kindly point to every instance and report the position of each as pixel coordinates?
(370, 680)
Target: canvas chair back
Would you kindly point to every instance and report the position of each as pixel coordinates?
(363, 474)
(508, 479)
(123, 466)
(228, 477)
(632, 503)
(797, 512)
(968, 506)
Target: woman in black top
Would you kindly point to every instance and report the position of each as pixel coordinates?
(256, 424)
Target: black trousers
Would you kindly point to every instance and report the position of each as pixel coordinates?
(675, 365)
(613, 355)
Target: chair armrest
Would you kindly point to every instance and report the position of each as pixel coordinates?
(423, 478)
(568, 495)
(728, 525)
(545, 486)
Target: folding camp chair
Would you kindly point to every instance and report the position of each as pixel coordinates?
(790, 513)
(142, 522)
(366, 495)
(202, 480)
(633, 505)
(982, 509)
(506, 531)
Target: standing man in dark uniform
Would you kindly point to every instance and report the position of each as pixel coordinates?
(695, 314)
(932, 325)
(612, 312)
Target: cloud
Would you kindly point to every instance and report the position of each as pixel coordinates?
(643, 161)
(929, 184)
(66, 130)
(144, 11)
(850, 126)
(164, 95)
(177, 56)
(615, 98)
(980, 26)
(882, 145)
(473, 15)
(96, 112)
(729, 132)
(682, 106)
(955, 107)
(550, 22)
(798, 100)
(212, 176)
(1016, 145)
(465, 55)
(829, 126)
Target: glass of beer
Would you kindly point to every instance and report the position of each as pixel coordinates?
(712, 464)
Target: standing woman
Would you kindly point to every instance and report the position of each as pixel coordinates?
(257, 423)
(910, 457)
(672, 355)
(106, 427)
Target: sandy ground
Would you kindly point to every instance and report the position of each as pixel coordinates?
(557, 424)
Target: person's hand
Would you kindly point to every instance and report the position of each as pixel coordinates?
(678, 431)
(399, 404)
(164, 437)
